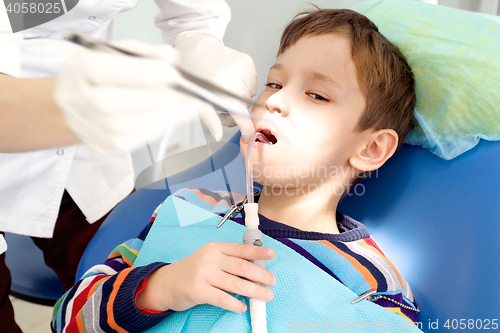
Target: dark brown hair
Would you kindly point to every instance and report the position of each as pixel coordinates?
(384, 76)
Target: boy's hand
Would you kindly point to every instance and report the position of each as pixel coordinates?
(206, 275)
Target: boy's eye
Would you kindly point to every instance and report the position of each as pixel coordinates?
(274, 85)
(318, 97)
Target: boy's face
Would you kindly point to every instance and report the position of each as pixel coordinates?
(313, 104)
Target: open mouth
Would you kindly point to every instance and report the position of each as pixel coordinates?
(270, 136)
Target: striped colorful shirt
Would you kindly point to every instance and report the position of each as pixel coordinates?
(104, 299)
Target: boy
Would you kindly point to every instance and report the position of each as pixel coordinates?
(339, 97)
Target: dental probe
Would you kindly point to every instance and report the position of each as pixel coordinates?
(254, 236)
(188, 83)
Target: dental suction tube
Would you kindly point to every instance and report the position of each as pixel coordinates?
(254, 236)
(253, 138)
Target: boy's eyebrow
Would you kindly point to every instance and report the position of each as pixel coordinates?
(276, 66)
(322, 77)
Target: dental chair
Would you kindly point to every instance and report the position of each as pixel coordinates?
(32, 280)
(437, 220)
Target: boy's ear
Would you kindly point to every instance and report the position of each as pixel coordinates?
(376, 149)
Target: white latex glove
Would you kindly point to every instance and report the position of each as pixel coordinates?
(110, 100)
(206, 56)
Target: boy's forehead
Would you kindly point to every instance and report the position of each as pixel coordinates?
(319, 57)
(317, 47)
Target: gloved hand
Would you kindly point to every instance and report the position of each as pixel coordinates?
(109, 100)
(206, 56)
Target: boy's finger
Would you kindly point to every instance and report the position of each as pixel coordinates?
(240, 286)
(221, 299)
(248, 270)
(246, 251)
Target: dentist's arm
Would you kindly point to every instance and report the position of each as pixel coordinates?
(106, 101)
(29, 117)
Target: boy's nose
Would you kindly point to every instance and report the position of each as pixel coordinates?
(278, 103)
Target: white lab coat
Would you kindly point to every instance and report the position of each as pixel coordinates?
(32, 184)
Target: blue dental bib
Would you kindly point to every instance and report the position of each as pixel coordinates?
(305, 297)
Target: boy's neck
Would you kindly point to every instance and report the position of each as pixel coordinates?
(309, 211)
